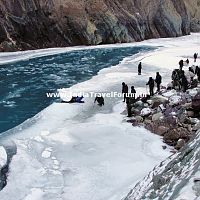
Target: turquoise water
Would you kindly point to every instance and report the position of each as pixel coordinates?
(23, 85)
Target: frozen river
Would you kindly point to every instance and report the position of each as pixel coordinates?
(82, 151)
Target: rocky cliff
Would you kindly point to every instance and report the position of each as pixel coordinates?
(32, 24)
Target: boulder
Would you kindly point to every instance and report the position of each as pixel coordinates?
(194, 121)
(182, 117)
(146, 112)
(169, 121)
(139, 119)
(135, 123)
(184, 133)
(161, 108)
(155, 104)
(169, 93)
(162, 130)
(173, 134)
(196, 127)
(190, 113)
(176, 134)
(187, 105)
(149, 125)
(196, 102)
(157, 116)
(135, 111)
(180, 144)
(159, 99)
(175, 100)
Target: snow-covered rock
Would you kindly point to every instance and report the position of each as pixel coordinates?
(145, 112)
(173, 178)
(3, 157)
(174, 99)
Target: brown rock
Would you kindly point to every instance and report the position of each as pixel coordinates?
(161, 130)
(157, 116)
(40, 24)
(190, 113)
(135, 111)
(180, 144)
(176, 134)
(172, 135)
(139, 119)
(187, 105)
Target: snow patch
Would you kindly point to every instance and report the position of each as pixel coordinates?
(36, 194)
(47, 153)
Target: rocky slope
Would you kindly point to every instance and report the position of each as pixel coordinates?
(32, 24)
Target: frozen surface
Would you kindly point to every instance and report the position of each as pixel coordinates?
(82, 151)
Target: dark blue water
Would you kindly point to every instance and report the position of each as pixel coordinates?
(23, 85)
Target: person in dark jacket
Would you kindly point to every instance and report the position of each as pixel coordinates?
(100, 100)
(151, 86)
(187, 61)
(181, 64)
(175, 78)
(191, 70)
(75, 100)
(158, 81)
(184, 82)
(196, 69)
(195, 57)
(198, 73)
(124, 90)
(129, 107)
(140, 68)
(133, 91)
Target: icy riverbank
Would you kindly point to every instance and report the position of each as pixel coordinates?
(85, 152)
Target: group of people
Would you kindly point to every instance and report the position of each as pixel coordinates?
(151, 83)
(125, 91)
(181, 79)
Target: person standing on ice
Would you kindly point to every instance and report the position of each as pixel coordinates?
(198, 73)
(184, 82)
(124, 91)
(195, 57)
(187, 61)
(181, 64)
(151, 86)
(140, 68)
(158, 81)
(133, 91)
(100, 100)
